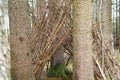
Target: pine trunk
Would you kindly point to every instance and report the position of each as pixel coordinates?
(82, 39)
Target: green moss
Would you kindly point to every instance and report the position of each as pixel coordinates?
(69, 74)
(58, 72)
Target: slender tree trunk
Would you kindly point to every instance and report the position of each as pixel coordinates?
(82, 39)
(106, 27)
(21, 61)
(106, 15)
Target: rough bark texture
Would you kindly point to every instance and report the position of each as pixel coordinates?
(21, 62)
(82, 39)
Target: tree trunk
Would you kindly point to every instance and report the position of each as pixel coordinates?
(106, 15)
(21, 61)
(82, 39)
(106, 28)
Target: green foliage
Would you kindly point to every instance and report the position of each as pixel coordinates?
(53, 78)
(58, 72)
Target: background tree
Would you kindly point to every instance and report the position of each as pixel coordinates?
(106, 16)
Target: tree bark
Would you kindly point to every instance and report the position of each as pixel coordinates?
(21, 61)
(82, 39)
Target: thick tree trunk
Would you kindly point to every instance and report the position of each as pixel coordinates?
(82, 39)
(21, 61)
